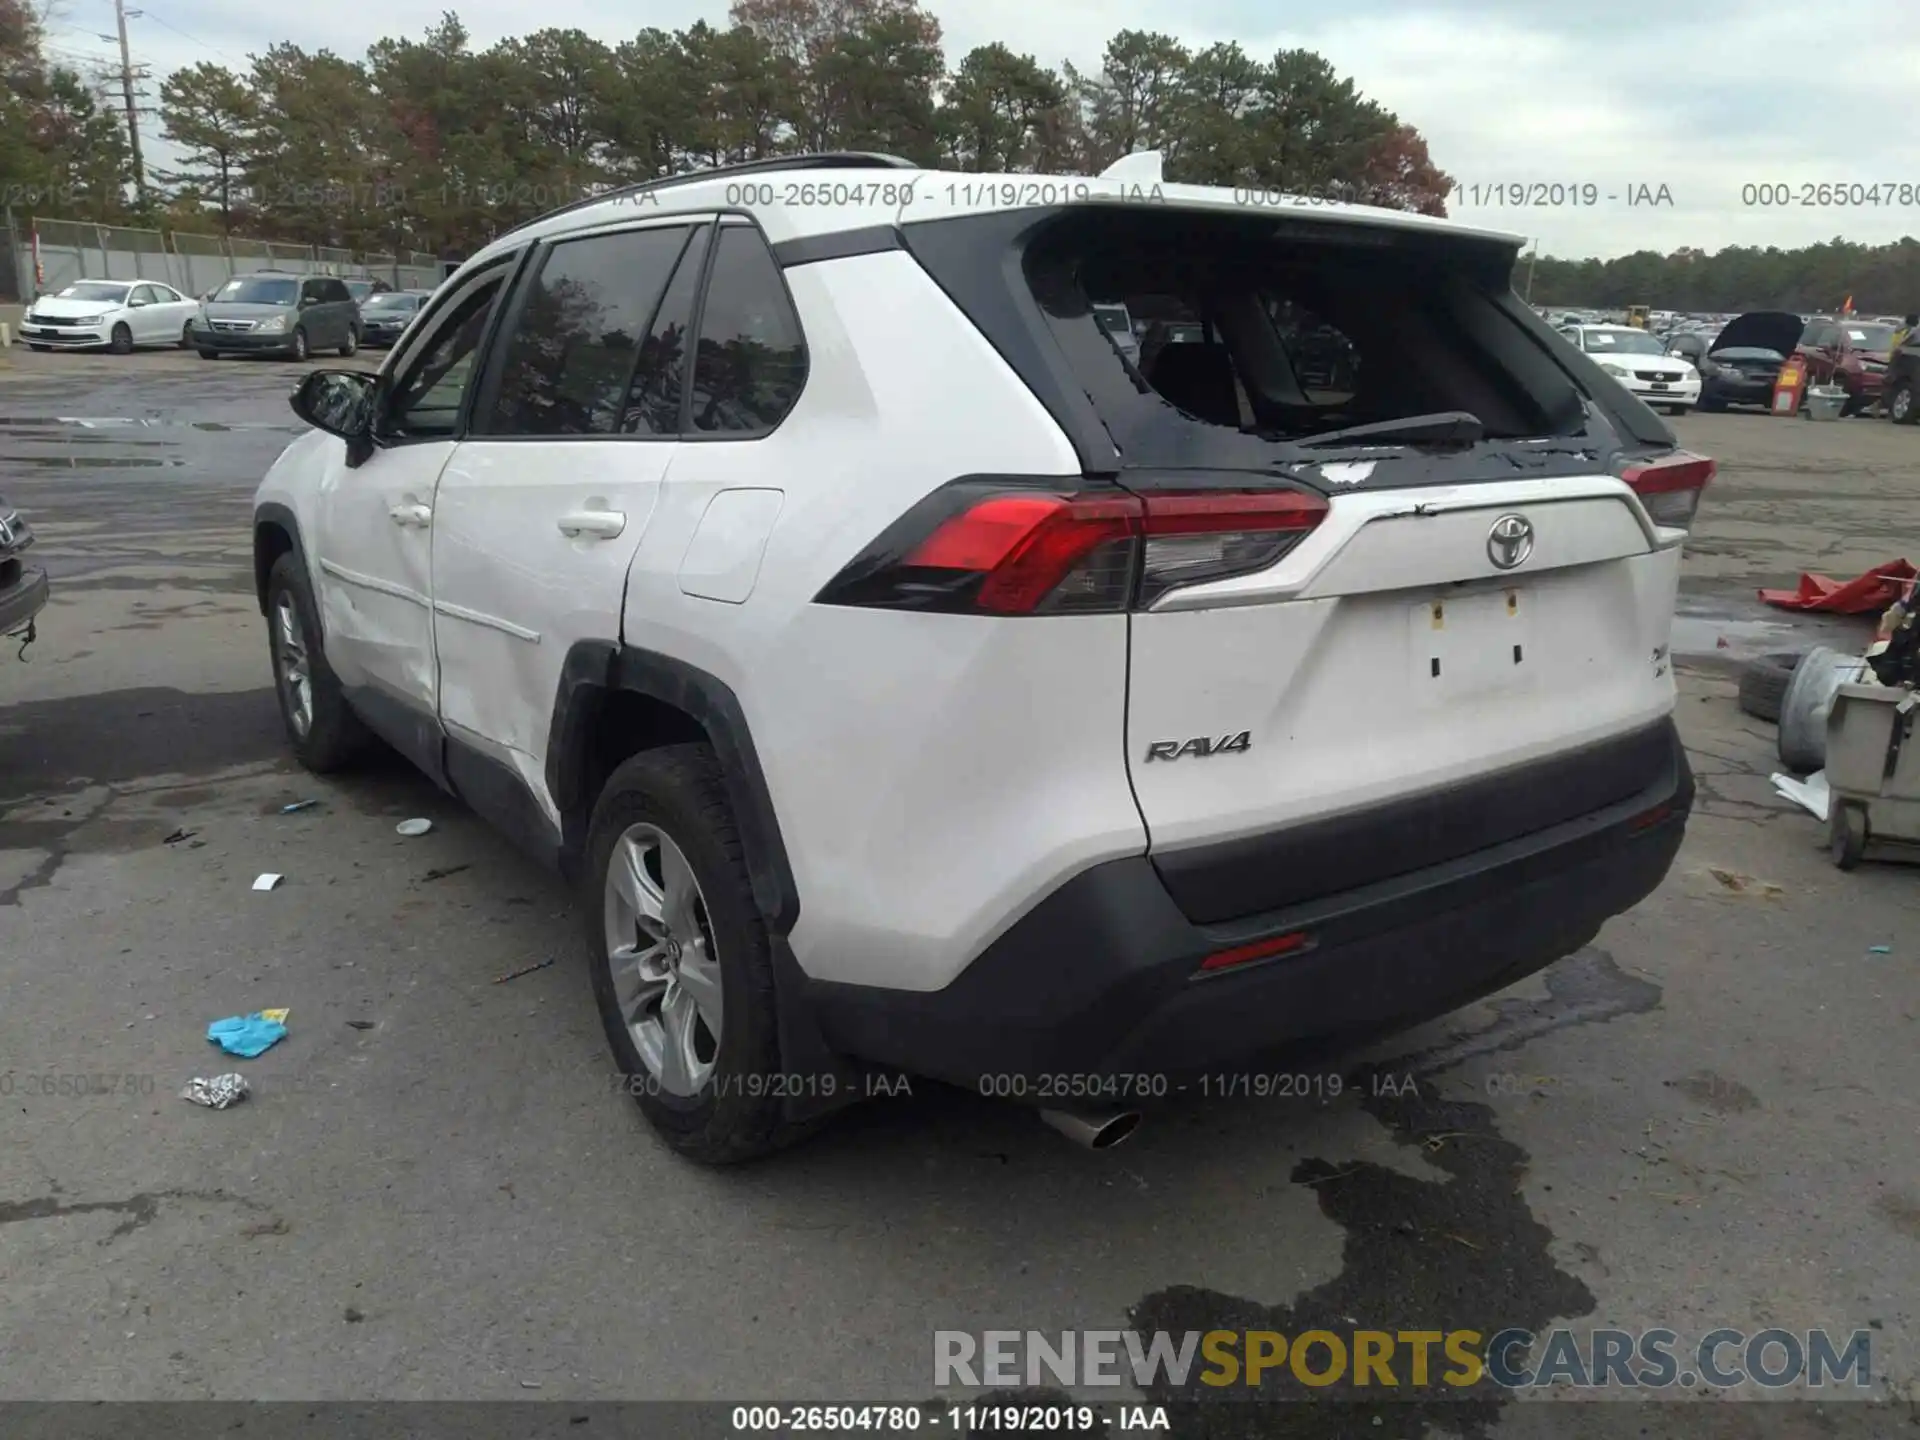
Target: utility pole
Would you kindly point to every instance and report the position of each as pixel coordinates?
(120, 14)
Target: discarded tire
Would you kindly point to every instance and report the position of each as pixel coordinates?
(1804, 708)
(1763, 683)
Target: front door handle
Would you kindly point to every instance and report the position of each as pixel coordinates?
(600, 524)
(414, 514)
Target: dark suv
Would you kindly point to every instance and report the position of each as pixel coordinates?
(274, 313)
(1900, 397)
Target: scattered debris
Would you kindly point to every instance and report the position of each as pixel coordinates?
(529, 1384)
(275, 1226)
(249, 1035)
(1866, 595)
(1810, 794)
(1880, 949)
(443, 874)
(217, 1093)
(177, 836)
(413, 827)
(527, 970)
(1745, 884)
(361, 1024)
(268, 882)
(353, 1316)
(298, 806)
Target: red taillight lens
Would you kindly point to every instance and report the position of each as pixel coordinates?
(981, 549)
(1196, 536)
(1670, 486)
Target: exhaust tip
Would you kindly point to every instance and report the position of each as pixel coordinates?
(1100, 1131)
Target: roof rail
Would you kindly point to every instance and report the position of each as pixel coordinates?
(824, 160)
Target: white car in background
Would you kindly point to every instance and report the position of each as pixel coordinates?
(116, 315)
(1640, 362)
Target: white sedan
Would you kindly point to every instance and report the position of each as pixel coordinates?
(1641, 363)
(116, 315)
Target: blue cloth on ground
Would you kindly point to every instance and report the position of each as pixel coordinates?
(246, 1035)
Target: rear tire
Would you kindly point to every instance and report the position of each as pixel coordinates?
(209, 354)
(186, 336)
(329, 736)
(351, 347)
(1901, 409)
(1763, 683)
(122, 341)
(724, 1107)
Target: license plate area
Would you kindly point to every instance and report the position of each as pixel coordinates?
(1661, 385)
(1471, 644)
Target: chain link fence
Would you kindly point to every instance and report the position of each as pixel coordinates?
(43, 257)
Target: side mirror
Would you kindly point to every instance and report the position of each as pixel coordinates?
(339, 402)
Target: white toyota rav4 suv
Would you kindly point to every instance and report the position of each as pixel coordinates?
(915, 680)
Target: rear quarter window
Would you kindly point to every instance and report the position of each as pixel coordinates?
(750, 361)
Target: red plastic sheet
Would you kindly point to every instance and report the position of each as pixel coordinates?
(1868, 594)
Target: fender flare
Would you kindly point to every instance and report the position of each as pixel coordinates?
(274, 513)
(595, 668)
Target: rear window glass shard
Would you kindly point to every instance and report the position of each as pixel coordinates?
(1251, 338)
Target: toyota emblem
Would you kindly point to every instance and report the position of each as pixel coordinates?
(1510, 541)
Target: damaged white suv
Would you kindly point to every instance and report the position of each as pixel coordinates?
(915, 677)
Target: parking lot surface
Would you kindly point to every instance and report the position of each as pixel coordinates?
(1704, 1119)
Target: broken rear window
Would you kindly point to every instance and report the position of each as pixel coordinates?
(1276, 332)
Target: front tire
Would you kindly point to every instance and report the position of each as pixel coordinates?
(186, 336)
(299, 351)
(122, 341)
(42, 349)
(325, 734)
(209, 354)
(1901, 409)
(351, 346)
(681, 962)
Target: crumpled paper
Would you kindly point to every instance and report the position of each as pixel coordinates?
(217, 1093)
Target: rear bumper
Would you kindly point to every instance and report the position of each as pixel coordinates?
(22, 600)
(1101, 979)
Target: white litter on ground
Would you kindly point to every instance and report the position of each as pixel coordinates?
(267, 882)
(1810, 794)
(413, 827)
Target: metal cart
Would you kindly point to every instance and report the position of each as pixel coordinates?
(1873, 774)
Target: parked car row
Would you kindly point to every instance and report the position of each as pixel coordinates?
(269, 312)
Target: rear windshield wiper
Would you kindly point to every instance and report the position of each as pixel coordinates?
(1445, 427)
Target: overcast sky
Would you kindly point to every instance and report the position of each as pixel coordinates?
(1703, 100)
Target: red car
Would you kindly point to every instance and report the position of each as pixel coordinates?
(1852, 354)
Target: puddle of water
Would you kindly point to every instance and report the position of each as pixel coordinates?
(95, 462)
(1704, 632)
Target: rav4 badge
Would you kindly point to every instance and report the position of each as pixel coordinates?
(1200, 745)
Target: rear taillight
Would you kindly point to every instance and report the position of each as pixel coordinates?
(995, 548)
(1670, 486)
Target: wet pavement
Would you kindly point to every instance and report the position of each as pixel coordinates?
(1705, 1118)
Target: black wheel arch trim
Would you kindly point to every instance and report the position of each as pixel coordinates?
(595, 668)
(274, 513)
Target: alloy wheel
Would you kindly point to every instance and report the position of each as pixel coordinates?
(660, 949)
(293, 662)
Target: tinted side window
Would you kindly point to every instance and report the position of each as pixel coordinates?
(426, 400)
(570, 358)
(337, 291)
(752, 359)
(653, 401)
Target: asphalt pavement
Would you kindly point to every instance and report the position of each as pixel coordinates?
(1705, 1119)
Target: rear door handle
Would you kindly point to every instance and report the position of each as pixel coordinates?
(414, 514)
(600, 524)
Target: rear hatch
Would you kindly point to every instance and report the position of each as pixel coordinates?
(1397, 599)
